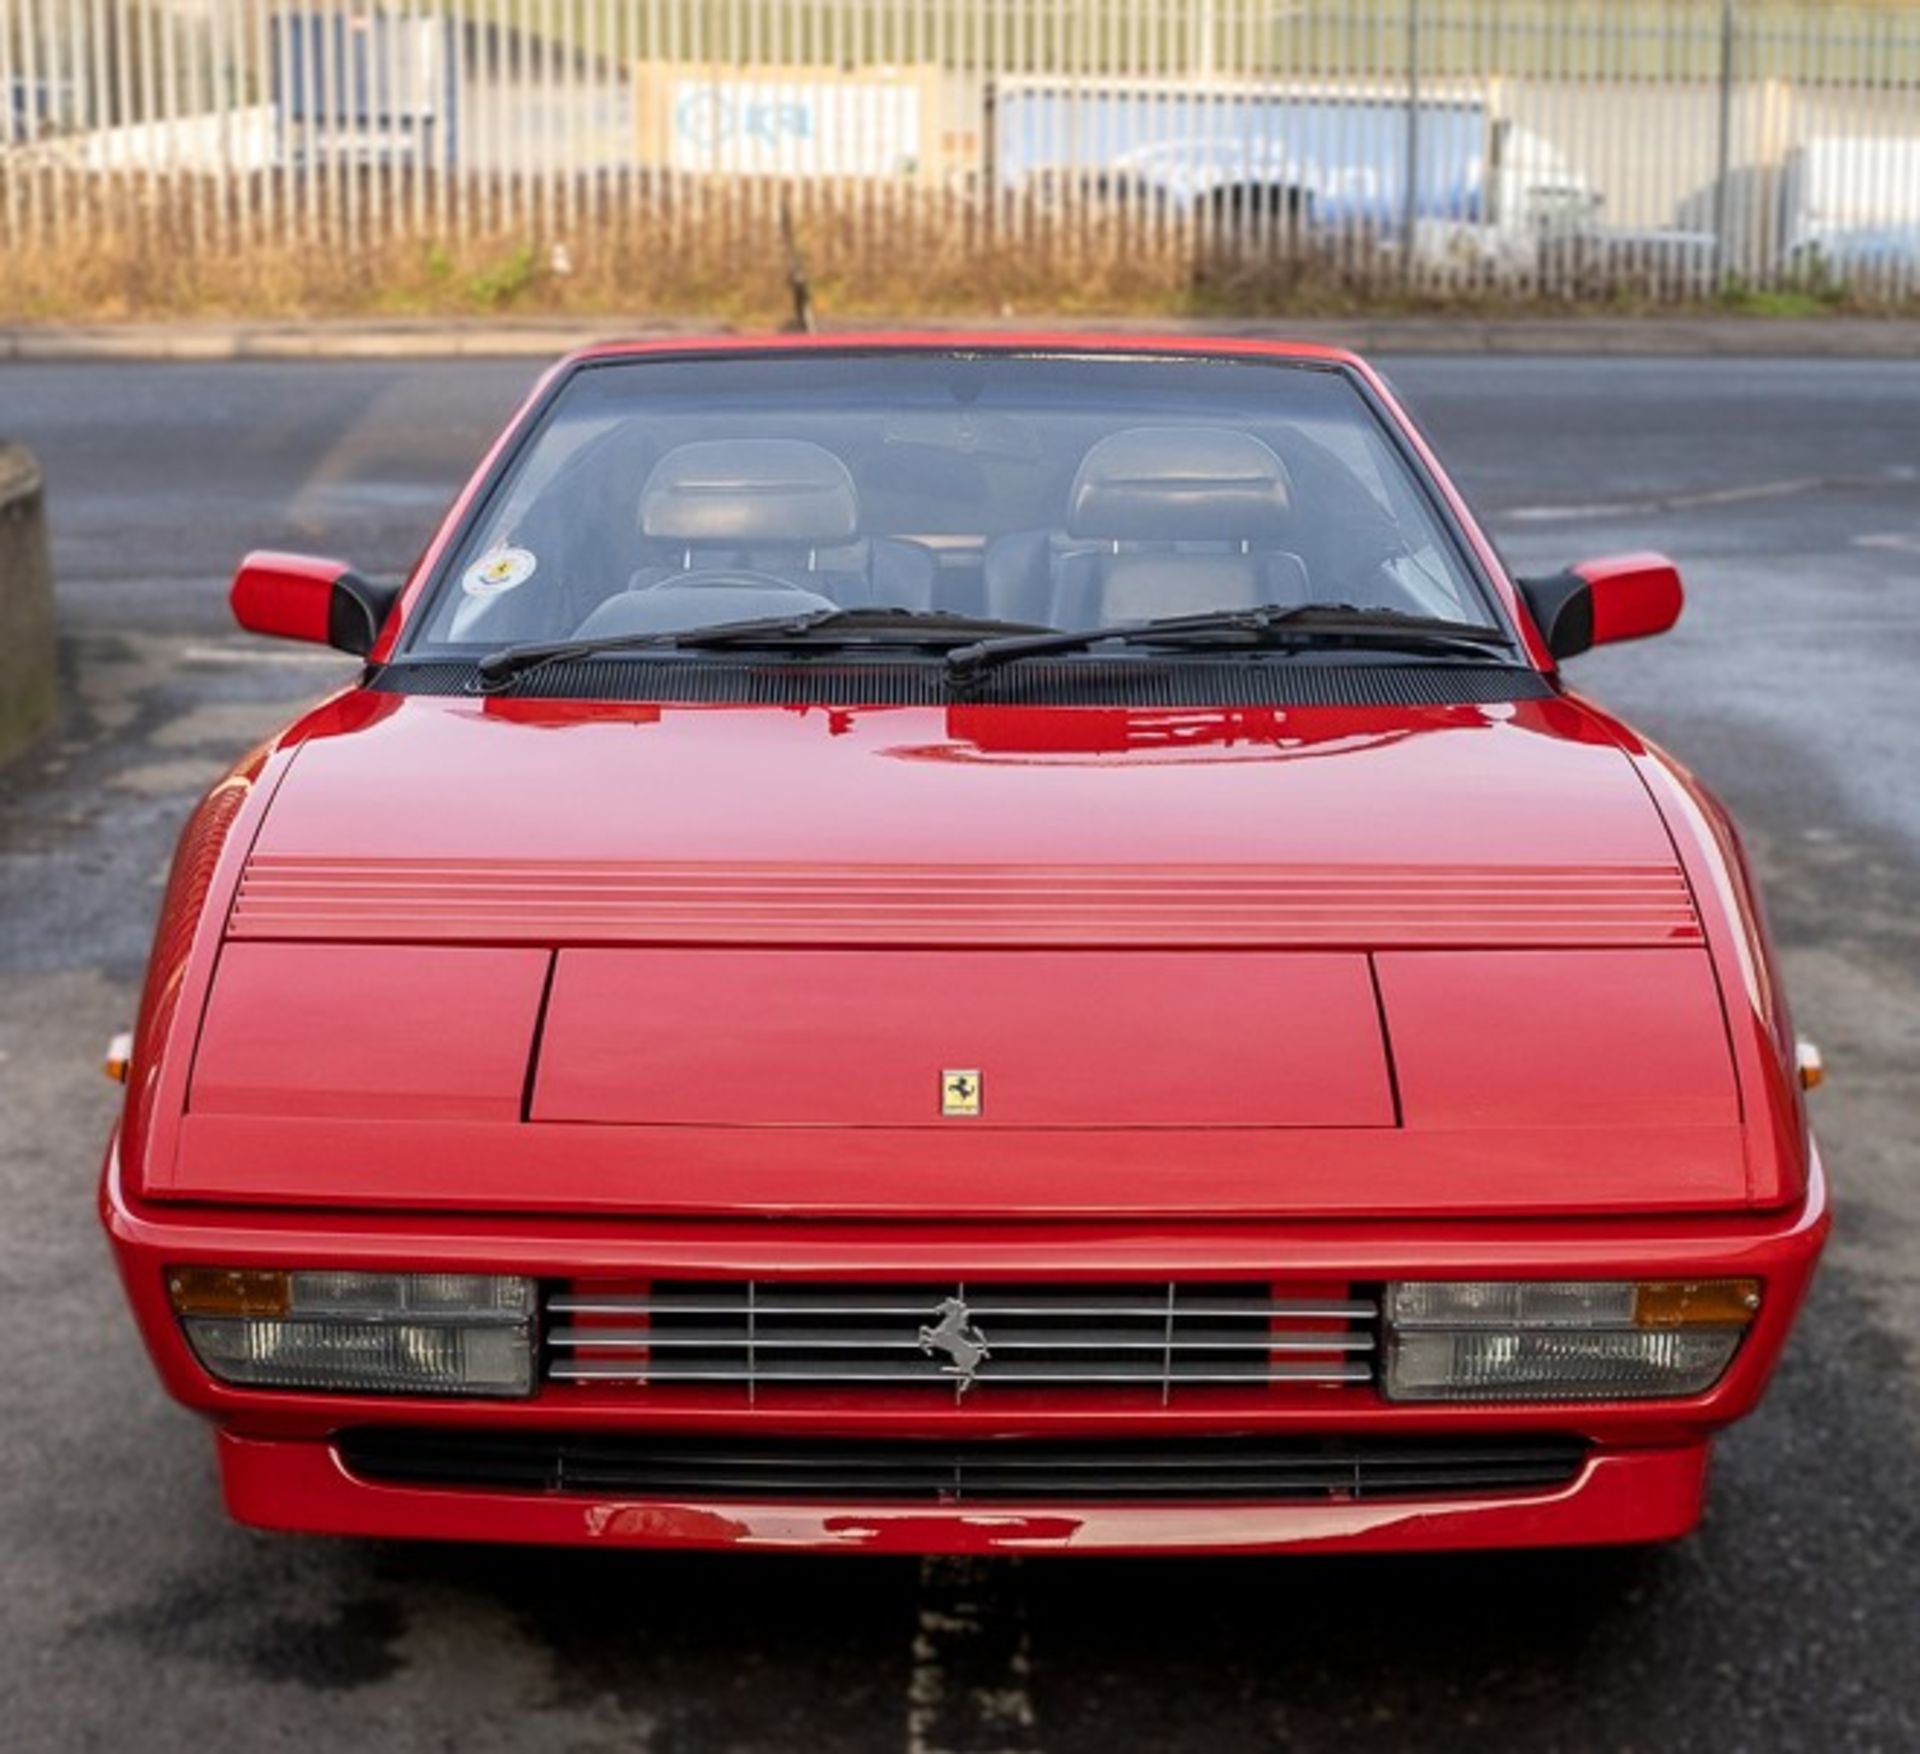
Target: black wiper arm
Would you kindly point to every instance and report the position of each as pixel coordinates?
(1270, 623)
(497, 669)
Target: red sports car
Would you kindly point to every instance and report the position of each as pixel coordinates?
(964, 944)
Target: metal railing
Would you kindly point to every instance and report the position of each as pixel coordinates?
(1564, 147)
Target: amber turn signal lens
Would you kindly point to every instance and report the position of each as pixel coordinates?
(1709, 1303)
(229, 1291)
(1811, 1067)
(119, 1060)
(338, 1330)
(1563, 1340)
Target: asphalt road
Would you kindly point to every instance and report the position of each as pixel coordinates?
(132, 1612)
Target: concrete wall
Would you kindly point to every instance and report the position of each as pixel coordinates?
(26, 603)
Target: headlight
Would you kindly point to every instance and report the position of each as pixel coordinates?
(370, 1333)
(1560, 1340)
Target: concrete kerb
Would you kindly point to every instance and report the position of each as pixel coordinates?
(534, 338)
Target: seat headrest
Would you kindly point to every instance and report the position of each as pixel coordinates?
(750, 490)
(1180, 484)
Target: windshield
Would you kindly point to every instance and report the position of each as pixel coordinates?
(663, 496)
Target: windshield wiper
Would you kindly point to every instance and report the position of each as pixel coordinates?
(919, 626)
(1270, 624)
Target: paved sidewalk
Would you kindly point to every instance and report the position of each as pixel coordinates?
(509, 338)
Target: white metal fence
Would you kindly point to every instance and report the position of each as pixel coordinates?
(1560, 146)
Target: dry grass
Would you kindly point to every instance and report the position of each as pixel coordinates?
(159, 268)
(127, 254)
(158, 262)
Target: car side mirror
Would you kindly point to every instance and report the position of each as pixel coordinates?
(1601, 601)
(296, 596)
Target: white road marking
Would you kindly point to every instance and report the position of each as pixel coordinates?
(1895, 541)
(359, 470)
(972, 1660)
(258, 651)
(1666, 502)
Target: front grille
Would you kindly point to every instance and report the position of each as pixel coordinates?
(1165, 1337)
(1245, 1469)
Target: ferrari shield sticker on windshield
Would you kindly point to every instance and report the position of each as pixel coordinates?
(499, 571)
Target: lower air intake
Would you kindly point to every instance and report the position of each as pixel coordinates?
(1244, 1469)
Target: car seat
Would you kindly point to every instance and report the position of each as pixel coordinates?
(785, 507)
(1160, 520)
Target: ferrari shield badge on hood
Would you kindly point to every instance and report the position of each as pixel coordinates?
(960, 1093)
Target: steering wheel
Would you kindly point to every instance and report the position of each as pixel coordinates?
(738, 577)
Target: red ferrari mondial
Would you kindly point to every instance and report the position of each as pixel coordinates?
(970, 945)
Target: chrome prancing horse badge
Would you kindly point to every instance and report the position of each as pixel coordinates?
(960, 1092)
(954, 1333)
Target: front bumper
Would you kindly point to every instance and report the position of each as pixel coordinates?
(1624, 1496)
(1642, 1480)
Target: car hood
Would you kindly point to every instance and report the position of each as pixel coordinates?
(401, 817)
(979, 960)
